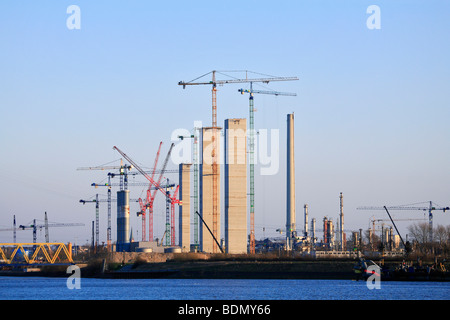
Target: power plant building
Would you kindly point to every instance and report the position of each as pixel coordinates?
(235, 181)
(207, 197)
(185, 210)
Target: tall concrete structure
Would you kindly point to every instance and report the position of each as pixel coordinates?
(290, 188)
(305, 230)
(313, 230)
(235, 186)
(185, 207)
(341, 223)
(207, 243)
(123, 220)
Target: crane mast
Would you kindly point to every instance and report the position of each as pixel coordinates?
(146, 205)
(430, 210)
(123, 172)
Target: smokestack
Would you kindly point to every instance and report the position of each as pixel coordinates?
(306, 223)
(341, 222)
(313, 230)
(290, 194)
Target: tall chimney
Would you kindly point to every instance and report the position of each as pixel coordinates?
(306, 222)
(290, 194)
(341, 222)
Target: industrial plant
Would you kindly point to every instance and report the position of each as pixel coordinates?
(193, 204)
(195, 199)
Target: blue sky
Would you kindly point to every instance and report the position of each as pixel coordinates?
(371, 112)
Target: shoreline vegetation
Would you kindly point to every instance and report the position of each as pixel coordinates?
(133, 265)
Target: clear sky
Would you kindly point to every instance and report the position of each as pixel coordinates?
(371, 112)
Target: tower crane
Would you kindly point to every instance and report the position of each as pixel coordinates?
(97, 209)
(215, 170)
(251, 151)
(151, 197)
(170, 225)
(143, 205)
(148, 177)
(123, 173)
(34, 226)
(97, 217)
(430, 210)
(196, 165)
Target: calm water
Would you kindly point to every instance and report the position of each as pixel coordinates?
(30, 288)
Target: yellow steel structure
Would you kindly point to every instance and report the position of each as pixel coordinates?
(45, 248)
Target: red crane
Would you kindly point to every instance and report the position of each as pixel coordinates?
(151, 197)
(144, 206)
(173, 200)
(153, 182)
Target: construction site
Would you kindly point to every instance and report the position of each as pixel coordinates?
(208, 190)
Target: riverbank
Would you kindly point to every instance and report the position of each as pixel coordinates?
(132, 265)
(236, 270)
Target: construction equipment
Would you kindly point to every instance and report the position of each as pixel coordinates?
(403, 242)
(196, 185)
(149, 178)
(97, 217)
(212, 234)
(97, 207)
(172, 200)
(151, 197)
(214, 154)
(430, 210)
(123, 173)
(144, 206)
(251, 151)
(34, 226)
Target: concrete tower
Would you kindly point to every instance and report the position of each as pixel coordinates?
(185, 207)
(123, 220)
(235, 186)
(207, 243)
(341, 223)
(305, 230)
(290, 188)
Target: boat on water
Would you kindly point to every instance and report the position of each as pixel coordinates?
(404, 271)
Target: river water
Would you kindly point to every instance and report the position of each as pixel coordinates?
(40, 288)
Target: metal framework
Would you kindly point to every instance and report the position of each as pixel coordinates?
(430, 210)
(148, 204)
(45, 248)
(123, 173)
(173, 200)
